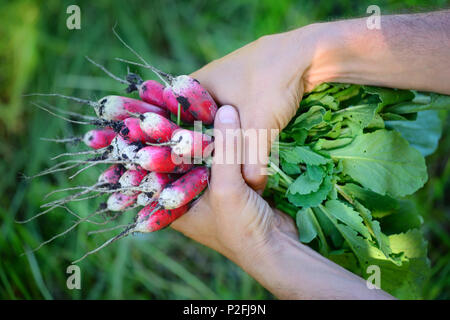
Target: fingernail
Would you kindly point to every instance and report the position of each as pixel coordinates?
(227, 114)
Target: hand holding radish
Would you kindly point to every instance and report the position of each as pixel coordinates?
(231, 217)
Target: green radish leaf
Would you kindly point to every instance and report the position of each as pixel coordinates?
(435, 102)
(347, 215)
(379, 205)
(414, 272)
(315, 173)
(303, 154)
(329, 230)
(309, 119)
(299, 135)
(406, 217)
(423, 133)
(304, 185)
(399, 117)
(383, 162)
(273, 180)
(374, 226)
(331, 144)
(389, 96)
(361, 115)
(290, 168)
(312, 199)
(330, 102)
(305, 224)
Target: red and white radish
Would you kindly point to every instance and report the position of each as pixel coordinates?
(171, 103)
(119, 108)
(161, 159)
(111, 175)
(159, 128)
(131, 130)
(119, 201)
(194, 100)
(150, 91)
(192, 97)
(99, 138)
(188, 143)
(131, 178)
(149, 220)
(152, 185)
(113, 107)
(184, 189)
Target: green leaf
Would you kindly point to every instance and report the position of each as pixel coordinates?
(361, 115)
(312, 199)
(374, 226)
(309, 119)
(331, 144)
(304, 185)
(383, 162)
(423, 133)
(402, 280)
(379, 205)
(405, 217)
(435, 102)
(305, 224)
(415, 271)
(299, 135)
(347, 215)
(290, 168)
(330, 102)
(303, 154)
(389, 96)
(315, 173)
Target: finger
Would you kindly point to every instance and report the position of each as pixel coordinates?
(226, 168)
(257, 139)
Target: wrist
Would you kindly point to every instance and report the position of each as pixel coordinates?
(339, 52)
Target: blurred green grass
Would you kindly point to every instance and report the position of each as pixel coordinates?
(39, 54)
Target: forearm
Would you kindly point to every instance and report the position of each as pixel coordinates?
(408, 51)
(291, 270)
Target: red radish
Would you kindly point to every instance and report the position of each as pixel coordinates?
(192, 97)
(161, 159)
(113, 107)
(187, 92)
(184, 189)
(182, 90)
(131, 178)
(119, 201)
(99, 138)
(150, 91)
(119, 108)
(121, 149)
(131, 131)
(171, 103)
(150, 220)
(157, 127)
(188, 143)
(152, 185)
(111, 175)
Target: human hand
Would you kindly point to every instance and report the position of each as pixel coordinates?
(230, 217)
(264, 81)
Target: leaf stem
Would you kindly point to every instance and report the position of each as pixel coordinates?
(283, 175)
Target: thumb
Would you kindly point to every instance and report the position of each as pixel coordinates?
(226, 168)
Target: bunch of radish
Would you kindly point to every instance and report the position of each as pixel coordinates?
(150, 147)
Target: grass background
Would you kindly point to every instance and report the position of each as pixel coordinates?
(39, 54)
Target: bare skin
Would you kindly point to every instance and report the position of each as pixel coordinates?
(265, 81)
